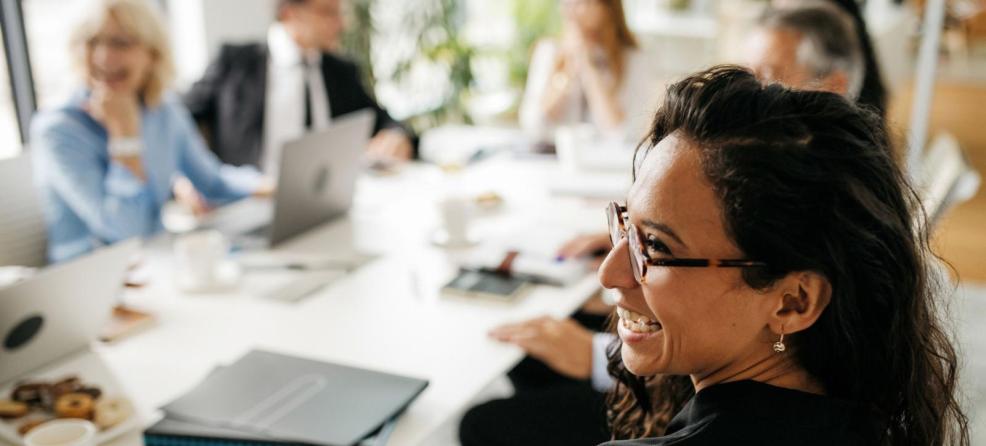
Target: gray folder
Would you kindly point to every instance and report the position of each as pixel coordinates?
(294, 399)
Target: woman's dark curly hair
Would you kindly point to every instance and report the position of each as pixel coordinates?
(807, 182)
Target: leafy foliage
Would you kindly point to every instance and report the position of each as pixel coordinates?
(357, 38)
(535, 19)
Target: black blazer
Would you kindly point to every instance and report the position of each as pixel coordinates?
(228, 102)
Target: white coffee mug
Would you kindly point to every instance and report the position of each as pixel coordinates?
(454, 212)
(63, 432)
(570, 141)
(199, 257)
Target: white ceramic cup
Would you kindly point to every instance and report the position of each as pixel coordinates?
(455, 220)
(63, 432)
(570, 141)
(199, 257)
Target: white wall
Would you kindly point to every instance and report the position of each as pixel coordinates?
(200, 27)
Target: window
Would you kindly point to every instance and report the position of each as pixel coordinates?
(18, 88)
(10, 140)
(46, 23)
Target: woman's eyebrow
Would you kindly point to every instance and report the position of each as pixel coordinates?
(663, 228)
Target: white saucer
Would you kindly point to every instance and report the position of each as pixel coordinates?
(441, 238)
(227, 278)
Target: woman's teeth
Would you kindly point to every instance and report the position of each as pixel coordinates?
(637, 322)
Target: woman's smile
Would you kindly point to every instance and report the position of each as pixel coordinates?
(634, 327)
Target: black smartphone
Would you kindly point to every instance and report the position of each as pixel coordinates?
(485, 284)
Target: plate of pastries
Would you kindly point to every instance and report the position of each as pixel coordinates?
(29, 403)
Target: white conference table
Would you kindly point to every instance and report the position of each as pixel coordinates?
(388, 315)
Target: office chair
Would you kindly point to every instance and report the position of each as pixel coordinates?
(23, 236)
(947, 179)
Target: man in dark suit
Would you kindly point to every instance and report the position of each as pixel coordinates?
(255, 97)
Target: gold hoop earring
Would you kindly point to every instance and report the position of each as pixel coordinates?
(779, 346)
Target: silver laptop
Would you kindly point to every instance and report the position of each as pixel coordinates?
(61, 309)
(317, 178)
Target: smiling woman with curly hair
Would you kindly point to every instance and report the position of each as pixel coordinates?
(772, 279)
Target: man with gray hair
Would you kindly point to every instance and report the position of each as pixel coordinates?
(809, 45)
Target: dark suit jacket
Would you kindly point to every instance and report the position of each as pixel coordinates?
(228, 102)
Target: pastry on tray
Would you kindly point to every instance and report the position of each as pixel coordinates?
(33, 403)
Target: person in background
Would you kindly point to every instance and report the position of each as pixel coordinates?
(873, 92)
(255, 97)
(809, 45)
(106, 160)
(774, 286)
(594, 73)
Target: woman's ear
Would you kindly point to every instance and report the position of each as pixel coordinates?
(798, 301)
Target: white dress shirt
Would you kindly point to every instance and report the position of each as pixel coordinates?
(288, 70)
(601, 381)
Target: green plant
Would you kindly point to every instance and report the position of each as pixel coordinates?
(439, 23)
(535, 19)
(679, 5)
(357, 39)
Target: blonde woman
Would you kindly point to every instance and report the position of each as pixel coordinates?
(594, 73)
(106, 160)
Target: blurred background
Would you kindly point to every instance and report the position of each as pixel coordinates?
(439, 62)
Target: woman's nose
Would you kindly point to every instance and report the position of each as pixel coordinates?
(102, 55)
(616, 271)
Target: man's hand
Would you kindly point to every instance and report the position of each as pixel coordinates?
(587, 245)
(265, 188)
(188, 197)
(391, 145)
(563, 345)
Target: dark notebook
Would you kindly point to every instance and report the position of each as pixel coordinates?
(170, 432)
(270, 398)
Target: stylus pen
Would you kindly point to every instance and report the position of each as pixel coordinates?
(300, 266)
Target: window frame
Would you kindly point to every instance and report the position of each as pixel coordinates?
(19, 72)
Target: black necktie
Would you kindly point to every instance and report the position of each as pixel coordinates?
(308, 104)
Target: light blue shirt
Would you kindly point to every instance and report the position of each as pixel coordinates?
(90, 200)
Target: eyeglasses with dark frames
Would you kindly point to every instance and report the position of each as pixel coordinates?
(619, 227)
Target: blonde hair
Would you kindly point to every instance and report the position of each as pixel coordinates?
(139, 19)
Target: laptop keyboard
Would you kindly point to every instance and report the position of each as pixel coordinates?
(248, 217)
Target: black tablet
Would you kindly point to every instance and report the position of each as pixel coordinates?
(471, 283)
